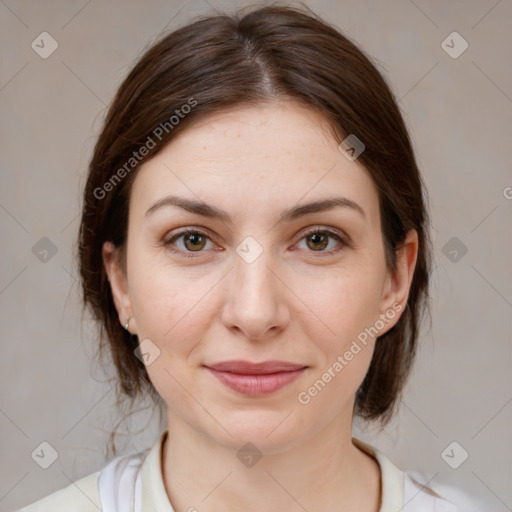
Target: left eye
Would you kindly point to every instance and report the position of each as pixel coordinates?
(318, 239)
(193, 241)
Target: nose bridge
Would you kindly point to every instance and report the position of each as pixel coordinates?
(252, 273)
(256, 299)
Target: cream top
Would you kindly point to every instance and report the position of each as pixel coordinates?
(399, 492)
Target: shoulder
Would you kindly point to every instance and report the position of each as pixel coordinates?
(79, 496)
(111, 485)
(420, 498)
(402, 491)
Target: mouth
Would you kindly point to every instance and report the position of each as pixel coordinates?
(256, 379)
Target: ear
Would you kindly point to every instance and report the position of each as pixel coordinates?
(398, 283)
(119, 285)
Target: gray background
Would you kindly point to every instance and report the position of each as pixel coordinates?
(459, 111)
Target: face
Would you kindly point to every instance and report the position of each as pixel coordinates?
(236, 267)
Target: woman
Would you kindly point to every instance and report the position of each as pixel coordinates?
(254, 245)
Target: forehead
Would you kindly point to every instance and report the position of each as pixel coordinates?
(256, 157)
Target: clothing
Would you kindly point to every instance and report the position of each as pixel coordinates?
(137, 478)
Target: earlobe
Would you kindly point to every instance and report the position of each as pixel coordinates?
(399, 282)
(118, 283)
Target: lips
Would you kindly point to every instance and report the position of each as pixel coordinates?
(248, 368)
(255, 379)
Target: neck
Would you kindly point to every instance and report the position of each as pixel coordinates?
(325, 472)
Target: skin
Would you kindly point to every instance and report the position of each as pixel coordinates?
(299, 301)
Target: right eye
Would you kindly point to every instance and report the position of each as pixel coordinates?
(192, 241)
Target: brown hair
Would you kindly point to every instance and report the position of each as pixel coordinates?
(221, 61)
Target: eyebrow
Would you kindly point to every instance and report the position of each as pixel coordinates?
(206, 210)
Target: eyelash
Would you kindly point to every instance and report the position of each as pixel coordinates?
(343, 242)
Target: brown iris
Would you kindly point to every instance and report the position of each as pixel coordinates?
(197, 241)
(318, 238)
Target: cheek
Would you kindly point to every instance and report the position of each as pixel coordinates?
(347, 302)
(172, 311)
(171, 307)
(348, 308)
(348, 305)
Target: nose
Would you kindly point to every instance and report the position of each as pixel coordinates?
(256, 299)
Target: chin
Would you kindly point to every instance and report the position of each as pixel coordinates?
(270, 435)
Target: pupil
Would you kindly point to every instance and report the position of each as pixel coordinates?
(193, 239)
(318, 238)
